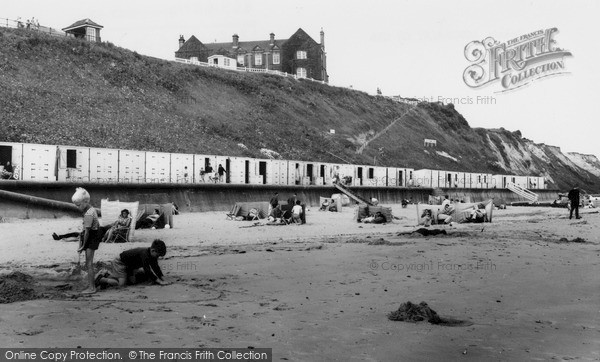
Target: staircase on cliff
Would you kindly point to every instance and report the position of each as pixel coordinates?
(352, 195)
(523, 192)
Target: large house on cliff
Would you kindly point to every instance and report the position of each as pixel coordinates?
(299, 54)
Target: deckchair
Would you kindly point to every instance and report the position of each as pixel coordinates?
(110, 213)
(120, 234)
(459, 214)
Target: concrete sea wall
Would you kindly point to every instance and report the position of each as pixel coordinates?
(36, 198)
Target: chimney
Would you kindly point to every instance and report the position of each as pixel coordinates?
(322, 39)
(272, 38)
(236, 39)
(181, 41)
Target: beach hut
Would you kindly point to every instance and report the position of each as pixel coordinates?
(132, 166)
(104, 165)
(182, 168)
(158, 167)
(73, 163)
(13, 153)
(39, 162)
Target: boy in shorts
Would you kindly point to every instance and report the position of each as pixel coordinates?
(124, 266)
(90, 236)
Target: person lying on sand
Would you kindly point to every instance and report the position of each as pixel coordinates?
(425, 232)
(124, 268)
(76, 236)
(378, 218)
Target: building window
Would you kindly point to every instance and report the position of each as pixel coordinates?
(240, 59)
(90, 34)
(301, 54)
(276, 59)
(226, 62)
(301, 72)
(257, 58)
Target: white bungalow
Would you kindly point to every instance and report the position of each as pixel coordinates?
(222, 61)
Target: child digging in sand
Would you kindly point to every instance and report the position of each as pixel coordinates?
(125, 266)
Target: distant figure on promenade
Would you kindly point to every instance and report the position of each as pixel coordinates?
(221, 171)
(185, 175)
(573, 196)
(8, 172)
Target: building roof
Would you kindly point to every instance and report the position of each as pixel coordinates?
(192, 44)
(247, 45)
(81, 23)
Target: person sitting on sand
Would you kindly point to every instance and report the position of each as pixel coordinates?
(122, 222)
(297, 213)
(477, 214)
(445, 213)
(123, 268)
(426, 218)
(377, 218)
(276, 214)
(149, 221)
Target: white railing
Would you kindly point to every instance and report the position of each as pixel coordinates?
(20, 24)
(246, 69)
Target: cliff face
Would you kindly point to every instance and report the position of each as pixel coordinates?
(71, 92)
(586, 162)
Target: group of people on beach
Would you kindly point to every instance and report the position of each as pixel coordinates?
(124, 268)
(294, 213)
(142, 263)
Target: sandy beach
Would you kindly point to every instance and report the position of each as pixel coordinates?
(527, 285)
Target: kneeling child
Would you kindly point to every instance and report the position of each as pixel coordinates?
(124, 267)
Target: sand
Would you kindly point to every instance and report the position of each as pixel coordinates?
(324, 290)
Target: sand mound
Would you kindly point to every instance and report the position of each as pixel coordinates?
(15, 287)
(409, 312)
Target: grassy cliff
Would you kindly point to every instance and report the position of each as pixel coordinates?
(71, 92)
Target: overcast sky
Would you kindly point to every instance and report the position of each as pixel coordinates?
(408, 48)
